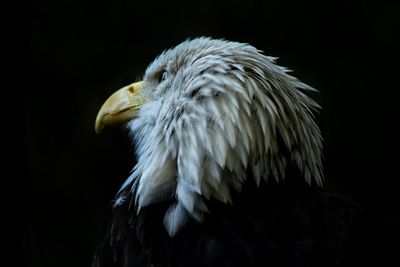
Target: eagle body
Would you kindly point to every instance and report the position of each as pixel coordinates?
(228, 169)
(274, 225)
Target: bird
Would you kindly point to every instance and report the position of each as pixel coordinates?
(228, 167)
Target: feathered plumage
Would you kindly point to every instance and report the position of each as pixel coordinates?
(228, 166)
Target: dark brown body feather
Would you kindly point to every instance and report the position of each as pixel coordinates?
(287, 224)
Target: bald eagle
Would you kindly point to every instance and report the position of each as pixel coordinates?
(228, 168)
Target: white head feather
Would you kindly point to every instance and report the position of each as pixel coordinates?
(217, 117)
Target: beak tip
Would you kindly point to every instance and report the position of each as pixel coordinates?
(98, 127)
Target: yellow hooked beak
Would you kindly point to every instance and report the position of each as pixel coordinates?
(120, 106)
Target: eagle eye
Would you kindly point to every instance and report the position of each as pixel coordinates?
(163, 76)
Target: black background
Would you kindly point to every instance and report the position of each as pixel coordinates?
(64, 58)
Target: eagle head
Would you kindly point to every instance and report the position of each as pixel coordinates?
(208, 115)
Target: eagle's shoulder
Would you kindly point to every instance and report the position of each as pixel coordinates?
(273, 224)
